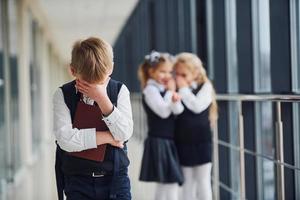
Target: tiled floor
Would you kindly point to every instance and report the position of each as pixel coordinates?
(38, 182)
(140, 190)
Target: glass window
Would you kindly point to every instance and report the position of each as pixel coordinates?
(265, 146)
(14, 95)
(210, 39)
(295, 61)
(231, 47)
(295, 43)
(35, 86)
(2, 122)
(234, 154)
(263, 111)
(232, 85)
(9, 120)
(296, 123)
(261, 45)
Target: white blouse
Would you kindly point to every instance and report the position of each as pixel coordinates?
(162, 106)
(199, 102)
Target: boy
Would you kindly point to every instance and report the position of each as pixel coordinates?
(85, 170)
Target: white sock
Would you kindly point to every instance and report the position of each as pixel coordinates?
(197, 183)
(188, 190)
(166, 191)
(202, 174)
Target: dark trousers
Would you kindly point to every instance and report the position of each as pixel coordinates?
(84, 187)
(60, 182)
(97, 188)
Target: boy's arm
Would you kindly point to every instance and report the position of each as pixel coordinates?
(69, 139)
(119, 119)
(105, 137)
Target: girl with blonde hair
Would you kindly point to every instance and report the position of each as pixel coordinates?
(193, 136)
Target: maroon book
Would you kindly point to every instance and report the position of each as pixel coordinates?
(90, 116)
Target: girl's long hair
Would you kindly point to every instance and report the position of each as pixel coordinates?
(194, 64)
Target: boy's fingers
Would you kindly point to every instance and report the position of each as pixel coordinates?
(83, 83)
(82, 90)
(120, 145)
(80, 87)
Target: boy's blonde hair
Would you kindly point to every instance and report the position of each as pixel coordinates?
(193, 63)
(92, 59)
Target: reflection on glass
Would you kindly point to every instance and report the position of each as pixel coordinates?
(234, 154)
(2, 125)
(265, 145)
(14, 102)
(35, 87)
(2, 131)
(296, 137)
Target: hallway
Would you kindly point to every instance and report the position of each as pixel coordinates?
(250, 50)
(40, 177)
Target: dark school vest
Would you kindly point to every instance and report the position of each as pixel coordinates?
(192, 128)
(157, 126)
(75, 165)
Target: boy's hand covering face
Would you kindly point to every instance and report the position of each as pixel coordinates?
(93, 90)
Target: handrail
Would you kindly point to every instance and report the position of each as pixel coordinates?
(278, 157)
(248, 97)
(258, 97)
(278, 99)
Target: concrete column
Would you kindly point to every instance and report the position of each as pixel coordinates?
(24, 84)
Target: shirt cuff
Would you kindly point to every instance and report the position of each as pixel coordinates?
(90, 138)
(177, 107)
(184, 91)
(112, 117)
(168, 96)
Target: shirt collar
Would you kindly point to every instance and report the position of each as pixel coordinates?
(194, 85)
(161, 87)
(86, 99)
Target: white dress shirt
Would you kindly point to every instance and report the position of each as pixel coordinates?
(71, 139)
(162, 106)
(199, 102)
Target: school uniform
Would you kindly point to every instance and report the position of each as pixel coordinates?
(160, 161)
(192, 131)
(193, 139)
(88, 179)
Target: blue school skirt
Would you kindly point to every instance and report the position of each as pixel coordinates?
(160, 162)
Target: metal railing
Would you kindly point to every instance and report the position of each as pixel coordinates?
(239, 99)
(139, 118)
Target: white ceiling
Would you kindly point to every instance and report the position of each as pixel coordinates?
(70, 20)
